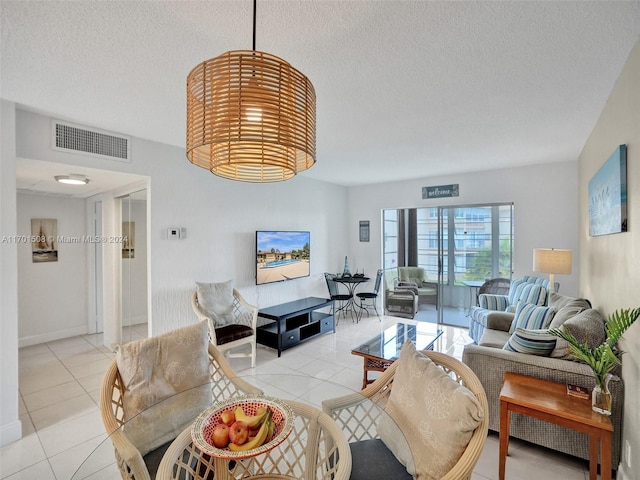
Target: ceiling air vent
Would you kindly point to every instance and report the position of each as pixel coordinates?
(89, 141)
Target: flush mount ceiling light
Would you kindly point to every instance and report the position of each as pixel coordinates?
(72, 179)
(251, 116)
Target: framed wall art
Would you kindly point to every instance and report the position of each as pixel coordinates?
(608, 196)
(364, 230)
(44, 244)
(128, 239)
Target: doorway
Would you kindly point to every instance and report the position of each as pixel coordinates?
(458, 247)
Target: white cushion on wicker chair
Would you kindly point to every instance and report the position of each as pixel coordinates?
(158, 369)
(216, 301)
(436, 414)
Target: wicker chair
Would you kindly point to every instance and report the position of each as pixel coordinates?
(416, 278)
(316, 449)
(241, 332)
(496, 286)
(132, 465)
(357, 415)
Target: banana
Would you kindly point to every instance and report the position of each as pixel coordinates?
(256, 441)
(272, 428)
(253, 421)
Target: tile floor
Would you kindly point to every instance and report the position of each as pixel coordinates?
(60, 384)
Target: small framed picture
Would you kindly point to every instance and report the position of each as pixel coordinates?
(364, 230)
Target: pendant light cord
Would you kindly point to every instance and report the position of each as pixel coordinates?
(254, 24)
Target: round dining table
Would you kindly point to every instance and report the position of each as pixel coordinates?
(101, 462)
(351, 283)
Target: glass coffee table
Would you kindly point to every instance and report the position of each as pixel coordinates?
(382, 350)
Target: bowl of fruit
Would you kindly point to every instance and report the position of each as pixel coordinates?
(242, 427)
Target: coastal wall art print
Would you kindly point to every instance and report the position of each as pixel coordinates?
(128, 239)
(608, 196)
(44, 240)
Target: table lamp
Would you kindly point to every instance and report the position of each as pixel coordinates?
(552, 261)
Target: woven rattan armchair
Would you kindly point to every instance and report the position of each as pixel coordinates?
(496, 286)
(241, 332)
(357, 414)
(132, 465)
(315, 450)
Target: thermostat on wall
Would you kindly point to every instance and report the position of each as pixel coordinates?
(176, 233)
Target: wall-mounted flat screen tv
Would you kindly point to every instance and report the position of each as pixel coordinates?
(281, 256)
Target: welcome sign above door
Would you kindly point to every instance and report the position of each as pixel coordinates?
(440, 191)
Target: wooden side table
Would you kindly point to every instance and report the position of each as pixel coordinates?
(549, 401)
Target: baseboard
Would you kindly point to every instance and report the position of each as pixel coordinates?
(135, 321)
(10, 432)
(51, 336)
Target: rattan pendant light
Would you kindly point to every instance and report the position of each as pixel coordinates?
(250, 116)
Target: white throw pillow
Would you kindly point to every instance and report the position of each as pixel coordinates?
(216, 301)
(436, 414)
(167, 384)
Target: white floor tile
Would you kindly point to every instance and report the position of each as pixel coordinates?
(62, 425)
(41, 471)
(58, 438)
(44, 377)
(92, 382)
(88, 369)
(64, 411)
(85, 459)
(52, 395)
(86, 357)
(21, 454)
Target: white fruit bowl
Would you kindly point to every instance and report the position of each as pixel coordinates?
(282, 417)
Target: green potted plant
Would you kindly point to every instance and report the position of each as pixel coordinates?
(603, 358)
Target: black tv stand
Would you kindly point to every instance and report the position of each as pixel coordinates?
(295, 322)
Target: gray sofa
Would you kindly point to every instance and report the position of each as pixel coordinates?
(490, 362)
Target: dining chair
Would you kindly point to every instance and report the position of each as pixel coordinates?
(344, 300)
(359, 415)
(133, 463)
(240, 330)
(370, 296)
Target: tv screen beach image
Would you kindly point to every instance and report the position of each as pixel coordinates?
(281, 256)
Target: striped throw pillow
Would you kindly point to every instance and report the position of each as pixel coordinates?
(531, 317)
(493, 302)
(531, 342)
(529, 293)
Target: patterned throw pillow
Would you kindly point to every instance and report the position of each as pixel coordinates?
(531, 342)
(528, 293)
(436, 415)
(531, 317)
(216, 301)
(498, 303)
(170, 373)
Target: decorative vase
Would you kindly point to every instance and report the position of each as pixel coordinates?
(601, 396)
(346, 272)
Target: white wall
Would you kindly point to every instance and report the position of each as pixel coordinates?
(10, 425)
(610, 264)
(52, 296)
(221, 218)
(545, 206)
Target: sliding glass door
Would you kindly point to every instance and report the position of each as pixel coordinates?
(475, 244)
(458, 247)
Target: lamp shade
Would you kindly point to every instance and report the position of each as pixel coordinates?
(551, 260)
(251, 117)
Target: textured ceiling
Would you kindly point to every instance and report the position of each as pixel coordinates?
(405, 89)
